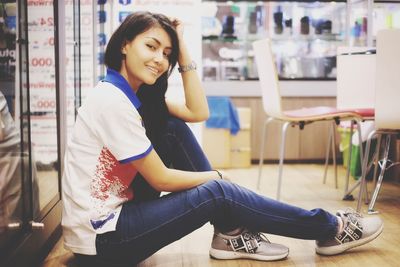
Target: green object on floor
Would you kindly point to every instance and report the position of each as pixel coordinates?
(355, 164)
(344, 144)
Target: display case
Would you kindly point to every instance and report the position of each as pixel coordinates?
(304, 35)
(367, 17)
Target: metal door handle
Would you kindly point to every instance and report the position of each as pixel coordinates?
(14, 225)
(37, 225)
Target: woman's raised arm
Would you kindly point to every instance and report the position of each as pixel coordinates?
(195, 108)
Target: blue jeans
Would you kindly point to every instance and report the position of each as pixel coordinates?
(177, 148)
(145, 226)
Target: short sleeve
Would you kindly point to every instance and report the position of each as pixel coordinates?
(121, 131)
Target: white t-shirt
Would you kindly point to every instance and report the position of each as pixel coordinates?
(107, 136)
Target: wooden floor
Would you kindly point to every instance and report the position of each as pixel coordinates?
(302, 186)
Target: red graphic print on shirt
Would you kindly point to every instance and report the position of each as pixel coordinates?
(111, 178)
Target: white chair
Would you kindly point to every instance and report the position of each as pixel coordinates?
(355, 92)
(387, 105)
(271, 98)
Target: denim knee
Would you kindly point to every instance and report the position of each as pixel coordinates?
(218, 186)
(222, 192)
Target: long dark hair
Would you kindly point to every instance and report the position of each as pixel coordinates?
(154, 109)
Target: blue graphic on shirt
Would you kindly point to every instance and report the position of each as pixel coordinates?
(98, 224)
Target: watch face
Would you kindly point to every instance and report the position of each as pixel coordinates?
(191, 66)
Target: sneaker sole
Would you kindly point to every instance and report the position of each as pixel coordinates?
(333, 250)
(232, 255)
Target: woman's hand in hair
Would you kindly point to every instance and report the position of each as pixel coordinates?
(178, 24)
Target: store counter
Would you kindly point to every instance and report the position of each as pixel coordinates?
(294, 88)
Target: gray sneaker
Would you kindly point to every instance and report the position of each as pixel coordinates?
(246, 245)
(357, 231)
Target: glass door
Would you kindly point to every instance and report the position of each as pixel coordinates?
(43, 108)
(11, 162)
(31, 84)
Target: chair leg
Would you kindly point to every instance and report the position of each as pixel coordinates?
(281, 157)
(263, 138)
(328, 148)
(382, 173)
(364, 170)
(376, 158)
(347, 195)
(364, 187)
(334, 153)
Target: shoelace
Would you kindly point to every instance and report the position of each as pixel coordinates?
(259, 237)
(354, 217)
(349, 212)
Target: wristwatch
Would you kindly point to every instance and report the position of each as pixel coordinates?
(185, 68)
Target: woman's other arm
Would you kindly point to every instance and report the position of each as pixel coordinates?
(195, 108)
(162, 178)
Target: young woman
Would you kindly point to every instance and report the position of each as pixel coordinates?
(129, 143)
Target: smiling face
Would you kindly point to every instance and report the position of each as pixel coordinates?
(146, 57)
